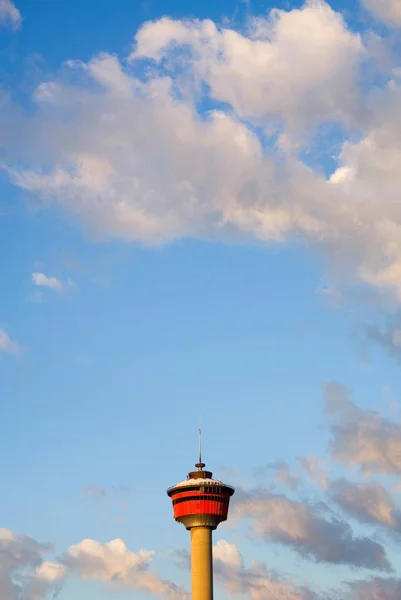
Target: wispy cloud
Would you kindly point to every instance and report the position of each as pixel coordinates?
(9, 14)
(367, 502)
(388, 337)
(361, 438)
(283, 476)
(57, 285)
(377, 589)
(314, 468)
(7, 345)
(307, 530)
(97, 492)
(253, 582)
(388, 11)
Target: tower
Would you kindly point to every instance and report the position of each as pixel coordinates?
(200, 503)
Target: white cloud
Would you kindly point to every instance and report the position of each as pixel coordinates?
(9, 13)
(26, 575)
(370, 176)
(114, 563)
(137, 160)
(298, 66)
(253, 582)
(44, 582)
(388, 11)
(7, 345)
(42, 280)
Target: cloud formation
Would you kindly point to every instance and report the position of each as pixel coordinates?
(361, 438)
(377, 589)
(23, 572)
(283, 476)
(9, 14)
(253, 582)
(306, 530)
(367, 502)
(314, 469)
(114, 563)
(51, 283)
(297, 67)
(133, 156)
(388, 11)
(7, 345)
(389, 337)
(26, 575)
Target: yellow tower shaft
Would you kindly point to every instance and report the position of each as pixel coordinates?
(201, 563)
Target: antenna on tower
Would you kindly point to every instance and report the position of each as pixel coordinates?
(200, 464)
(200, 444)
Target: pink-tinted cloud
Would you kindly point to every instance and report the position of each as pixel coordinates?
(307, 530)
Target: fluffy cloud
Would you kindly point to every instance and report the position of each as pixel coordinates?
(44, 582)
(9, 13)
(369, 173)
(368, 502)
(306, 530)
(298, 67)
(7, 345)
(361, 438)
(253, 582)
(25, 575)
(52, 283)
(114, 563)
(388, 11)
(134, 157)
(23, 572)
(127, 184)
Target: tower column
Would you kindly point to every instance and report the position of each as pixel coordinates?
(201, 563)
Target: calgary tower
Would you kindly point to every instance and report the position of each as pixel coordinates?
(201, 503)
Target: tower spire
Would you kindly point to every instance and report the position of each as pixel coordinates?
(200, 444)
(200, 464)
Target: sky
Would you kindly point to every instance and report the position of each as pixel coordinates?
(201, 224)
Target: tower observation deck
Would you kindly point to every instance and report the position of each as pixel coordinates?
(200, 503)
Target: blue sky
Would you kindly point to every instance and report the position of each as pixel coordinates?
(200, 221)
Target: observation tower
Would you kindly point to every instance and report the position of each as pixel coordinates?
(200, 503)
